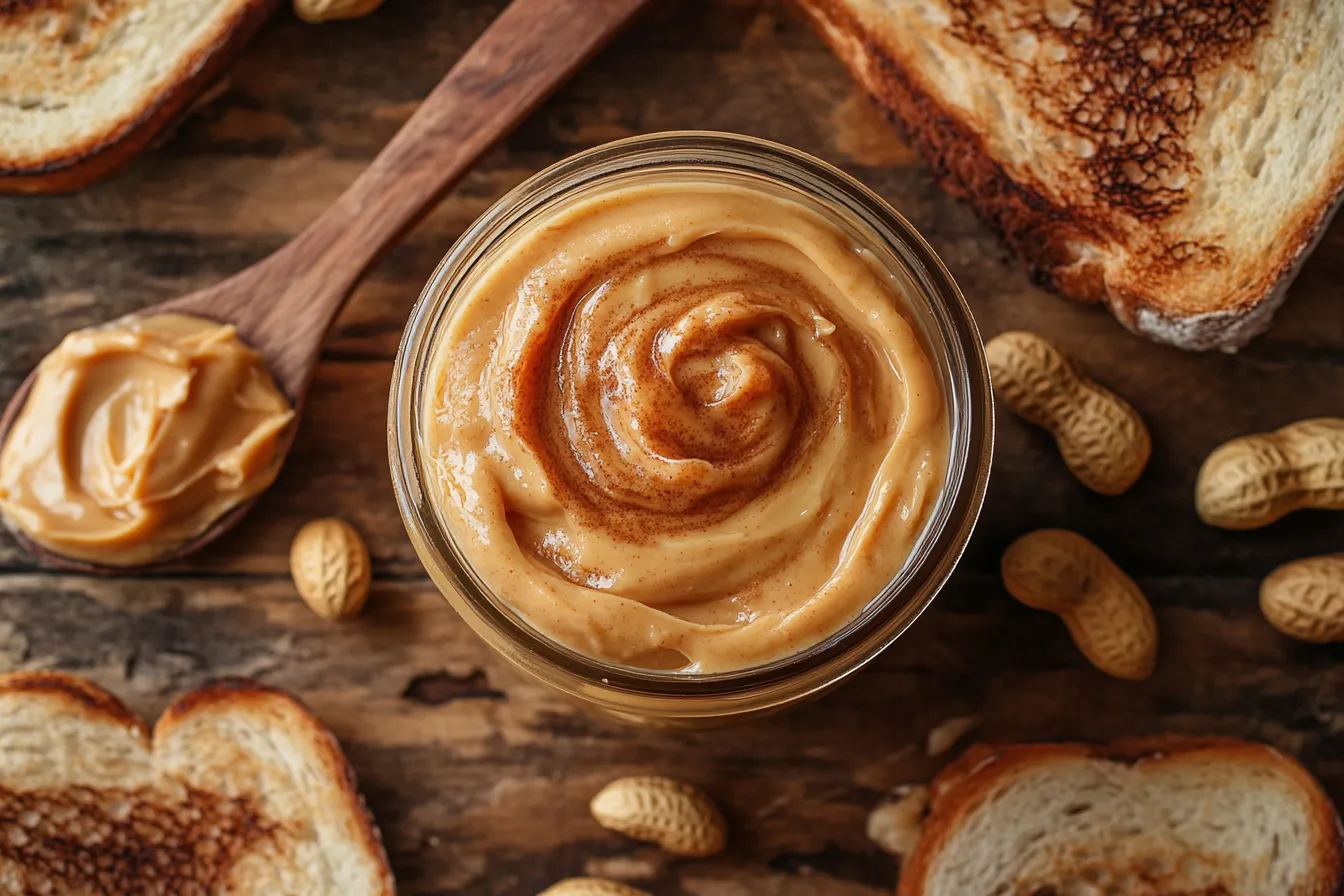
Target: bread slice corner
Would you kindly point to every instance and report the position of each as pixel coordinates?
(1176, 162)
(1150, 817)
(85, 86)
(239, 790)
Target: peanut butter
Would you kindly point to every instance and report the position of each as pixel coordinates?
(138, 435)
(683, 425)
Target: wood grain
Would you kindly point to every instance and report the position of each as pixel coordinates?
(284, 304)
(478, 779)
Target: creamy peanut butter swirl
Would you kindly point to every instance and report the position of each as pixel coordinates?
(684, 425)
(137, 435)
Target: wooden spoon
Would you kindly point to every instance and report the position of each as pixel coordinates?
(283, 304)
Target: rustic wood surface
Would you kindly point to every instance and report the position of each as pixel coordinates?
(479, 779)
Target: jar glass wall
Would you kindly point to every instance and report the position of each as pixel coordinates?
(936, 308)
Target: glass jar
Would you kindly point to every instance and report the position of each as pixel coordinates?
(679, 698)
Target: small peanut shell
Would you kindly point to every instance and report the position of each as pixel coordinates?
(896, 826)
(675, 816)
(590, 886)
(1304, 599)
(1107, 615)
(1251, 481)
(331, 569)
(330, 10)
(1102, 439)
(944, 736)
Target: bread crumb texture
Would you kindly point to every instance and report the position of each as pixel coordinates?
(74, 73)
(1197, 817)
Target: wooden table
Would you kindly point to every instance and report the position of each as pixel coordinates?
(479, 779)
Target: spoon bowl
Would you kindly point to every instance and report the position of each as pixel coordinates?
(283, 305)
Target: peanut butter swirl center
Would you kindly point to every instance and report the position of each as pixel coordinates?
(684, 425)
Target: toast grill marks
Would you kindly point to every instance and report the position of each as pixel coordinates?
(142, 842)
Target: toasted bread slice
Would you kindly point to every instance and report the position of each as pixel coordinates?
(1176, 161)
(240, 791)
(87, 84)
(1160, 817)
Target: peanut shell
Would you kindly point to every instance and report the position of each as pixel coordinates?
(896, 826)
(1105, 612)
(590, 886)
(1102, 439)
(675, 816)
(1304, 599)
(330, 10)
(330, 566)
(1254, 480)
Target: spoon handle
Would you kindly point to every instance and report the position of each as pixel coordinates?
(293, 296)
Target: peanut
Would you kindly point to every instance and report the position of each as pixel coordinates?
(675, 816)
(590, 886)
(944, 736)
(329, 10)
(1106, 614)
(897, 825)
(1103, 440)
(1304, 599)
(1253, 480)
(330, 566)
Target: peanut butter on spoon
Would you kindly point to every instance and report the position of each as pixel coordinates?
(138, 435)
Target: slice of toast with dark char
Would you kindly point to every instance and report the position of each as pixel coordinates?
(87, 84)
(1174, 159)
(240, 791)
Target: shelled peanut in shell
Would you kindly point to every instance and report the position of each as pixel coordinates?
(1106, 614)
(1103, 440)
(1254, 480)
(678, 818)
(1304, 599)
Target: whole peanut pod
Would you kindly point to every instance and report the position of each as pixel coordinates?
(675, 816)
(1107, 615)
(896, 826)
(590, 886)
(1253, 480)
(1102, 439)
(330, 565)
(1304, 599)
(330, 10)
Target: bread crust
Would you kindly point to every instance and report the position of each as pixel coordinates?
(101, 154)
(974, 777)
(1045, 233)
(82, 698)
(232, 693)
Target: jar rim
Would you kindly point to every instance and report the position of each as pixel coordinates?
(942, 539)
